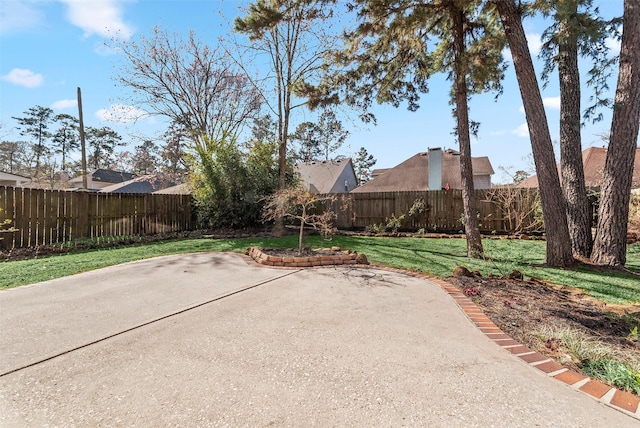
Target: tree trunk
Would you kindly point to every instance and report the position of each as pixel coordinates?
(553, 207)
(571, 166)
(471, 228)
(283, 127)
(610, 246)
(301, 231)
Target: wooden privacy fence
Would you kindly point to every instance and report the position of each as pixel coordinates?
(507, 210)
(45, 217)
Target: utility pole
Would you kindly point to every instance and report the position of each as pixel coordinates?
(82, 143)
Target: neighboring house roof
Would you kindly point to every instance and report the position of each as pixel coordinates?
(106, 176)
(180, 189)
(378, 172)
(8, 179)
(413, 174)
(142, 184)
(328, 176)
(593, 160)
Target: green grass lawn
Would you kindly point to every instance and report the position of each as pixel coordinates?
(436, 257)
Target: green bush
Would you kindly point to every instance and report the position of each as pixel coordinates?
(230, 184)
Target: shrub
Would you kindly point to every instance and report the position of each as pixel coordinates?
(303, 207)
(230, 185)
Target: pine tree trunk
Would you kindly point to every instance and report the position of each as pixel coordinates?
(610, 246)
(471, 228)
(571, 166)
(283, 127)
(553, 207)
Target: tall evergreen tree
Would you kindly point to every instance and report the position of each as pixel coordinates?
(553, 206)
(102, 143)
(36, 125)
(66, 139)
(307, 140)
(332, 134)
(320, 140)
(610, 244)
(398, 44)
(577, 30)
(265, 129)
(362, 163)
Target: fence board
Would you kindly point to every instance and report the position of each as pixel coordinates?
(19, 220)
(500, 210)
(45, 217)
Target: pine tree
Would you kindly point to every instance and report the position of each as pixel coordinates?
(399, 44)
(553, 207)
(362, 163)
(36, 125)
(66, 139)
(307, 140)
(610, 244)
(102, 143)
(577, 30)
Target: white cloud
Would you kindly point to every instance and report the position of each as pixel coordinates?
(522, 130)
(119, 113)
(101, 17)
(64, 104)
(24, 77)
(535, 43)
(552, 102)
(613, 45)
(19, 15)
(498, 132)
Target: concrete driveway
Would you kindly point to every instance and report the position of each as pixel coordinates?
(208, 340)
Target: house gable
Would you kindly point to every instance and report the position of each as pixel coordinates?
(8, 179)
(334, 176)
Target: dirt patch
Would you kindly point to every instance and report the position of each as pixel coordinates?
(522, 306)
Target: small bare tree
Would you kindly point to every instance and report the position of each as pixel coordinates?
(304, 207)
(521, 208)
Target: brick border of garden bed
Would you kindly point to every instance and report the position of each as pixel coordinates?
(611, 396)
(344, 258)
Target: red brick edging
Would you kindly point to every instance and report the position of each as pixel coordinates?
(613, 397)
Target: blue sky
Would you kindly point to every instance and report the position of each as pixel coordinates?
(49, 48)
